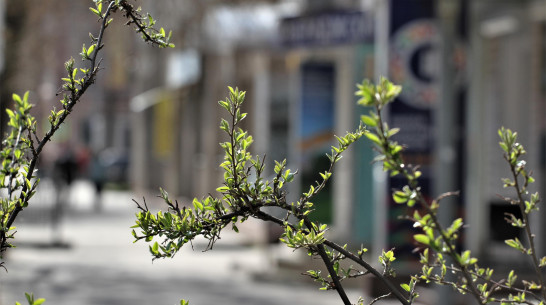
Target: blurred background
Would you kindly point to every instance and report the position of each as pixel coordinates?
(467, 68)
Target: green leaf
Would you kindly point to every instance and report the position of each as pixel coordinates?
(336, 267)
(455, 226)
(83, 54)
(368, 120)
(511, 278)
(392, 132)
(511, 243)
(373, 138)
(393, 90)
(224, 105)
(405, 286)
(30, 298)
(90, 50)
(325, 175)
(16, 98)
(222, 189)
(39, 301)
(531, 285)
(197, 205)
(389, 256)
(96, 12)
(289, 177)
(543, 262)
(155, 248)
(515, 243)
(465, 257)
(10, 112)
(422, 238)
(399, 197)
(366, 92)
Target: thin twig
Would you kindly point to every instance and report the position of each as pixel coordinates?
(420, 198)
(380, 298)
(264, 216)
(529, 234)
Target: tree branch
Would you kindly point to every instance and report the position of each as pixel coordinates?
(264, 216)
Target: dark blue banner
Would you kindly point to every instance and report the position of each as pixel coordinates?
(327, 29)
(414, 63)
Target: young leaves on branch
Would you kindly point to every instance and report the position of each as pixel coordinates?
(520, 180)
(245, 193)
(31, 300)
(437, 242)
(22, 146)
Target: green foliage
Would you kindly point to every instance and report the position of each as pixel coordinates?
(144, 23)
(22, 146)
(31, 300)
(386, 259)
(520, 180)
(17, 174)
(439, 243)
(245, 192)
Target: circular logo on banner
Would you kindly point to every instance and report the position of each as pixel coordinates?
(415, 62)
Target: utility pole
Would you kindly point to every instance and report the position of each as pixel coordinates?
(447, 132)
(381, 68)
(447, 110)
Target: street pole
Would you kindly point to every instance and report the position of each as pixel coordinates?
(381, 63)
(447, 131)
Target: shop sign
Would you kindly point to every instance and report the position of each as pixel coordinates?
(327, 29)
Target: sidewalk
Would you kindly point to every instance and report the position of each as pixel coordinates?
(100, 264)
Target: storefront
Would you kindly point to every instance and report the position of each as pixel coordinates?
(321, 51)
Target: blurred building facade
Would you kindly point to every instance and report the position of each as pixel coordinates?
(506, 77)
(36, 48)
(467, 68)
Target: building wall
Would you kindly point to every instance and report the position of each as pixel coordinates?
(501, 83)
(40, 38)
(503, 92)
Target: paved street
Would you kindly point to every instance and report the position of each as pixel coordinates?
(99, 264)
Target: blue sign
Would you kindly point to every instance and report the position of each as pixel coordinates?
(316, 130)
(413, 64)
(327, 29)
